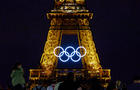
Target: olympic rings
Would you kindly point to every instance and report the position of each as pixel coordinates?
(70, 55)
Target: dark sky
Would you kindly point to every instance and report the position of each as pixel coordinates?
(115, 26)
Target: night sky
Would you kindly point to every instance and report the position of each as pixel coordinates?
(115, 26)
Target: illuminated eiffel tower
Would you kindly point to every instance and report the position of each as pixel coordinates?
(69, 17)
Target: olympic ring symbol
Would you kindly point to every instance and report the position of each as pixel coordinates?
(70, 55)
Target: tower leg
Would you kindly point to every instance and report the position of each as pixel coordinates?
(91, 59)
(48, 60)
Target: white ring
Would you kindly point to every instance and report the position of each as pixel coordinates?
(71, 55)
(77, 59)
(80, 54)
(58, 47)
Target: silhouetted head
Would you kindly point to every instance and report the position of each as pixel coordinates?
(70, 76)
(61, 79)
(18, 65)
(111, 86)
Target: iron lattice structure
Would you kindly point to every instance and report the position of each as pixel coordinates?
(70, 17)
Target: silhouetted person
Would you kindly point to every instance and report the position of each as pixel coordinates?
(112, 86)
(59, 81)
(119, 85)
(124, 86)
(95, 84)
(78, 84)
(52, 85)
(135, 85)
(68, 83)
(17, 77)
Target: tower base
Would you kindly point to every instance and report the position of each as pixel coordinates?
(39, 77)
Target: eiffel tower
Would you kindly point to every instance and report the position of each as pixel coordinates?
(69, 17)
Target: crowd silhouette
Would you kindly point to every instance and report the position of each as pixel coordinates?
(67, 83)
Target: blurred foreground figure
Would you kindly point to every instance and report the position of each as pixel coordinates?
(52, 85)
(118, 85)
(59, 81)
(17, 76)
(94, 84)
(68, 83)
(39, 87)
(112, 86)
(135, 85)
